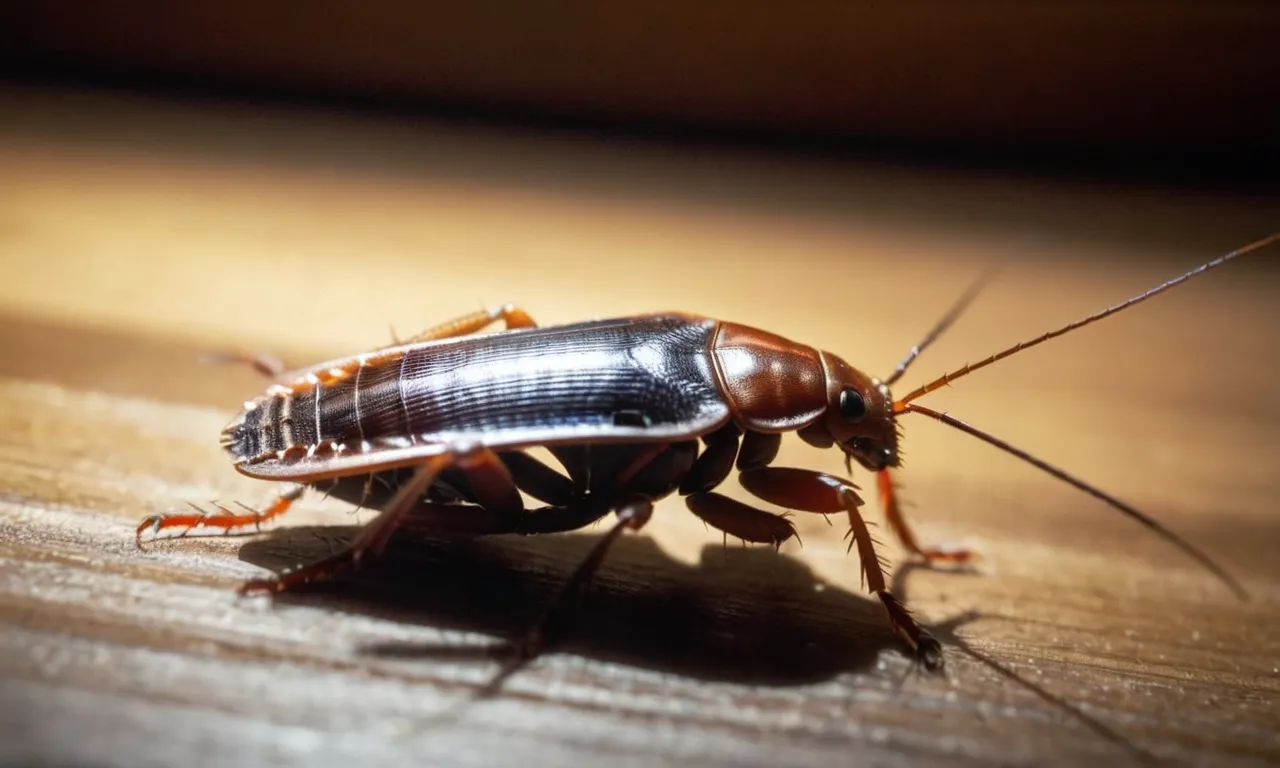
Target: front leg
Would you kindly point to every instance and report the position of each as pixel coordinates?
(818, 492)
(942, 558)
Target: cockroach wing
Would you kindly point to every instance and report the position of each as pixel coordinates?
(642, 379)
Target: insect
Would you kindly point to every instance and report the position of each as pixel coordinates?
(439, 426)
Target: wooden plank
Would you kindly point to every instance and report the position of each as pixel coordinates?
(1085, 639)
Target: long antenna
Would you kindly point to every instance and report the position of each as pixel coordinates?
(950, 317)
(1164, 533)
(946, 378)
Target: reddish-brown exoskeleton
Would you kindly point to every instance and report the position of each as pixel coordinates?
(634, 409)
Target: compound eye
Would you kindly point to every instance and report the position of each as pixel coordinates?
(852, 406)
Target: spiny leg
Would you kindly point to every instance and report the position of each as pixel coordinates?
(741, 520)
(712, 467)
(374, 537)
(935, 556)
(821, 493)
(512, 316)
(226, 521)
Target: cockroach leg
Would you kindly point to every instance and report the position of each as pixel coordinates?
(633, 514)
(512, 317)
(264, 363)
(744, 521)
(537, 479)
(453, 520)
(225, 522)
(447, 520)
(934, 556)
(639, 464)
(928, 650)
(716, 462)
(821, 493)
(574, 459)
(374, 537)
(759, 449)
(558, 519)
(492, 485)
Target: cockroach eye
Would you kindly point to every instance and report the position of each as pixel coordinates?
(852, 406)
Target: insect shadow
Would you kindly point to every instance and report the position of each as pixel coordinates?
(741, 614)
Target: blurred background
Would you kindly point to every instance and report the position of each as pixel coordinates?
(307, 154)
(1082, 82)
(305, 178)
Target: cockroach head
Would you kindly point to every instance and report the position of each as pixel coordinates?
(859, 417)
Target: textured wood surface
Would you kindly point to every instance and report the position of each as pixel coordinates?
(135, 236)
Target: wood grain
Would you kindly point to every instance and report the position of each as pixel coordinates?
(136, 235)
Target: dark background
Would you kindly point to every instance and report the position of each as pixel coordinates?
(1178, 90)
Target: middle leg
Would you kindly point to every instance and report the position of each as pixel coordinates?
(743, 521)
(732, 517)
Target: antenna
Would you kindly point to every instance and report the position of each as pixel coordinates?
(905, 405)
(1141, 517)
(947, 378)
(950, 317)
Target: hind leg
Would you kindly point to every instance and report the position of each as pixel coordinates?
(264, 363)
(273, 367)
(511, 316)
(374, 537)
(225, 520)
(631, 515)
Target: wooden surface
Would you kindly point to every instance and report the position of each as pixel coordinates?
(135, 236)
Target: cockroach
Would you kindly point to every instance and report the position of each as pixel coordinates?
(439, 426)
